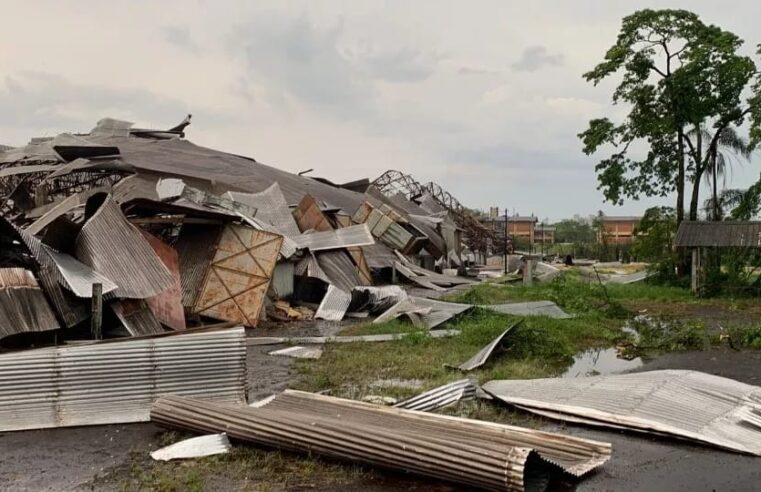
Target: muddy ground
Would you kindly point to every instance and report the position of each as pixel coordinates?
(99, 458)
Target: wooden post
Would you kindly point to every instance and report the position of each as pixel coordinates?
(393, 274)
(528, 272)
(695, 271)
(96, 312)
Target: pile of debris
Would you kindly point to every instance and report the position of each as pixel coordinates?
(127, 231)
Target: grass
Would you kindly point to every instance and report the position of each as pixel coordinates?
(244, 468)
(388, 327)
(539, 347)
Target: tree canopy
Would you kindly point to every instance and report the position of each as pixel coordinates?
(678, 75)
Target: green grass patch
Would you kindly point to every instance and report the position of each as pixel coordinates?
(538, 347)
(388, 327)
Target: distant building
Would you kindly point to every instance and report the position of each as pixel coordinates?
(520, 228)
(544, 234)
(617, 230)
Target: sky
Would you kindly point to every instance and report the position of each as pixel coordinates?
(485, 98)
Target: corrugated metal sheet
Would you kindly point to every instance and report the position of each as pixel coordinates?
(309, 216)
(281, 285)
(308, 266)
(381, 298)
(733, 234)
(136, 317)
(349, 339)
(70, 310)
(112, 246)
(432, 312)
(287, 249)
(339, 269)
(535, 308)
(195, 447)
(238, 277)
(116, 381)
(358, 235)
(687, 404)
(195, 249)
(271, 207)
(23, 307)
(470, 452)
(440, 397)
(167, 306)
(334, 305)
(76, 276)
(483, 355)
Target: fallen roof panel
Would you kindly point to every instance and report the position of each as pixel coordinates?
(78, 277)
(358, 235)
(112, 246)
(470, 452)
(483, 355)
(23, 306)
(534, 308)
(687, 404)
(441, 396)
(116, 381)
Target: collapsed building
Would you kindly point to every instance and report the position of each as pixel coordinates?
(130, 231)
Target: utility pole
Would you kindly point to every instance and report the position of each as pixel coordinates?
(543, 233)
(505, 242)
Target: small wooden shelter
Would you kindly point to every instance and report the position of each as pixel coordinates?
(700, 236)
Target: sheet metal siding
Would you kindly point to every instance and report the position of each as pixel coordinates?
(116, 382)
(719, 234)
(281, 284)
(271, 207)
(470, 452)
(440, 397)
(334, 305)
(70, 310)
(24, 309)
(690, 404)
(338, 267)
(358, 235)
(112, 246)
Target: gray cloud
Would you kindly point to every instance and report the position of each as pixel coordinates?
(49, 101)
(180, 37)
(536, 57)
(403, 65)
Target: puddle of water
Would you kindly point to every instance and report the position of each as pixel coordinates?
(599, 362)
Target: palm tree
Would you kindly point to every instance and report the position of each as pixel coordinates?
(730, 148)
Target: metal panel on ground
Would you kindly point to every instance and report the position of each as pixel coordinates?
(334, 305)
(483, 355)
(116, 381)
(687, 404)
(471, 452)
(237, 279)
(441, 397)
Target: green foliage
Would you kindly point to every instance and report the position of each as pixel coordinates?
(655, 244)
(676, 73)
(575, 230)
(670, 335)
(746, 337)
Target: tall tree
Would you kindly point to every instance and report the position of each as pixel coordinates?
(677, 75)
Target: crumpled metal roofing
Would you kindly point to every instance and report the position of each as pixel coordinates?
(432, 312)
(358, 235)
(23, 306)
(471, 452)
(440, 397)
(533, 308)
(116, 381)
(334, 305)
(687, 404)
(78, 277)
(339, 269)
(109, 244)
(483, 355)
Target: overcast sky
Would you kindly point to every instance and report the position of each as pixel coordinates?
(484, 97)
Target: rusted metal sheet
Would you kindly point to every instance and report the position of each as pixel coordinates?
(136, 317)
(167, 306)
(116, 381)
(687, 404)
(23, 307)
(309, 216)
(483, 355)
(470, 452)
(195, 249)
(112, 246)
(239, 274)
